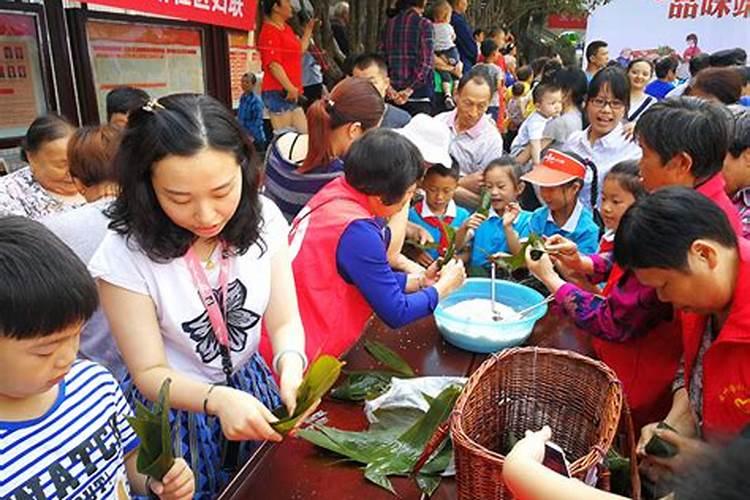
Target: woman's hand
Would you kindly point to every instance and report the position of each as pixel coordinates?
(242, 417)
(544, 270)
(452, 276)
(510, 215)
(532, 445)
(311, 25)
(177, 484)
(628, 131)
(292, 95)
(564, 251)
(415, 232)
(291, 367)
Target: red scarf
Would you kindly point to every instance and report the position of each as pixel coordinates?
(436, 222)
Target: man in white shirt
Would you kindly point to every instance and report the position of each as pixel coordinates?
(475, 140)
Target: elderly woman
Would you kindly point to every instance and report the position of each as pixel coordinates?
(342, 236)
(45, 186)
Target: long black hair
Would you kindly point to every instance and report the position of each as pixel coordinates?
(180, 125)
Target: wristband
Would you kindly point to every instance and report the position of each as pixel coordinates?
(205, 399)
(280, 355)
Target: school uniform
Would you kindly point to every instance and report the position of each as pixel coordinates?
(579, 228)
(489, 238)
(422, 215)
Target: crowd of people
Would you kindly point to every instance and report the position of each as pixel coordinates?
(183, 241)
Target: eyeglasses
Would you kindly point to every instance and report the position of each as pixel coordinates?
(600, 103)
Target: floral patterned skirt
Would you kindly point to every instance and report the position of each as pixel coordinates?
(198, 438)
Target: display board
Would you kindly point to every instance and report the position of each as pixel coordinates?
(21, 83)
(653, 27)
(158, 59)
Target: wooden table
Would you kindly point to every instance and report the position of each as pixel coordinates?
(295, 469)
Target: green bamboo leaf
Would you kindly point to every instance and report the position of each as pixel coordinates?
(657, 447)
(155, 456)
(424, 246)
(428, 484)
(319, 379)
(518, 260)
(361, 386)
(388, 357)
(392, 450)
(485, 202)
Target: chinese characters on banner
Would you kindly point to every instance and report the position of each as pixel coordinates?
(238, 14)
(692, 9)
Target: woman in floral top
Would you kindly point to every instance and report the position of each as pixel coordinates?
(45, 186)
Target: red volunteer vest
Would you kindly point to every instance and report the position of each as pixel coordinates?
(646, 365)
(333, 311)
(726, 364)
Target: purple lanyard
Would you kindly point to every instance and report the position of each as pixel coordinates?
(215, 314)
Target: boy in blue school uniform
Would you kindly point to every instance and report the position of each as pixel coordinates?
(438, 208)
(560, 178)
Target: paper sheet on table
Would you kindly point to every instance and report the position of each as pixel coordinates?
(407, 393)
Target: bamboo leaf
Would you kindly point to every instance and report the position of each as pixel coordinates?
(424, 246)
(518, 260)
(393, 450)
(485, 202)
(388, 357)
(155, 456)
(318, 380)
(361, 386)
(657, 447)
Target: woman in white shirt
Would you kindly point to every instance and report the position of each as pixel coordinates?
(640, 72)
(195, 259)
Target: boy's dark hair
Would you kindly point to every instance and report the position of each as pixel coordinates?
(44, 129)
(524, 73)
(478, 31)
(518, 89)
(725, 84)
(537, 65)
(741, 137)
(542, 89)
(549, 70)
(438, 169)
(383, 163)
(488, 47)
(509, 162)
(658, 230)
(628, 175)
(745, 73)
(664, 65)
(573, 81)
(617, 82)
(687, 125)
(729, 57)
(251, 76)
(478, 75)
(45, 288)
(125, 100)
(699, 63)
(181, 125)
(364, 61)
(593, 48)
(722, 477)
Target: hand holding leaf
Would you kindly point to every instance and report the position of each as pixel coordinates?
(512, 210)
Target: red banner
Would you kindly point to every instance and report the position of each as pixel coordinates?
(562, 21)
(238, 14)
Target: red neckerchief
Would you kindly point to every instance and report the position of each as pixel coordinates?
(436, 222)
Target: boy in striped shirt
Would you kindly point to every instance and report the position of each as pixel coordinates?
(63, 427)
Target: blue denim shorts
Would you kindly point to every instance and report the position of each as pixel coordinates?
(276, 103)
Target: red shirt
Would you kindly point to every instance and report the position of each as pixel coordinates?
(726, 371)
(281, 46)
(715, 190)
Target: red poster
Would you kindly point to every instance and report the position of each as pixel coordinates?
(239, 14)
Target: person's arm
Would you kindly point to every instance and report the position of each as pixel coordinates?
(442, 65)
(177, 484)
(526, 476)
(308, 34)
(278, 72)
(398, 227)
(284, 326)
(242, 416)
(535, 151)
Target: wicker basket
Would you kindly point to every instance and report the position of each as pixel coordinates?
(527, 388)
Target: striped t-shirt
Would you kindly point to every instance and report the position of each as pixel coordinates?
(77, 448)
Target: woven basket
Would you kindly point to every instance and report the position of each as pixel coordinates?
(527, 388)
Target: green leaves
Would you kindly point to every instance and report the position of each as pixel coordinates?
(320, 377)
(518, 260)
(485, 202)
(388, 357)
(155, 456)
(393, 449)
(657, 447)
(450, 251)
(362, 385)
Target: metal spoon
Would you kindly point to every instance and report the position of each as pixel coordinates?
(496, 316)
(547, 300)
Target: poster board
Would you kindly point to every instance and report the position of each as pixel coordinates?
(650, 27)
(243, 58)
(21, 83)
(158, 59)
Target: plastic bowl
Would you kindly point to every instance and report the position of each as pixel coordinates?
(492, 336)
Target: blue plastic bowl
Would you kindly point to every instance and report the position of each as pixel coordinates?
(486, 337)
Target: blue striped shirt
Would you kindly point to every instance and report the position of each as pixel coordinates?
(77, 448)
(291, 190)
